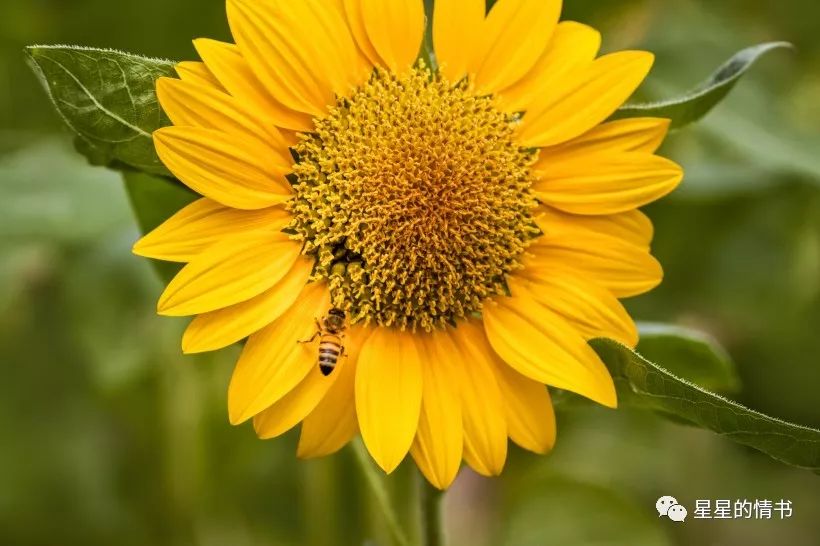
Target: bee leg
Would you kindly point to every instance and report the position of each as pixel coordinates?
(314, 336)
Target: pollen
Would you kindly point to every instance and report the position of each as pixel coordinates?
(415, 200)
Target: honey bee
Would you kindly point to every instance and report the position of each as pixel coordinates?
(330, 331)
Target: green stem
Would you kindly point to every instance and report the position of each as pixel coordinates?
(432, 528)
(375, 481)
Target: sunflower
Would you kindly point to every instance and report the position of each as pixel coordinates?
(471, 212)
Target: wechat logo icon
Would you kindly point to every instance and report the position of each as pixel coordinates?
(669, 507)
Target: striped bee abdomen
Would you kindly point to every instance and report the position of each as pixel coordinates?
(330, 348)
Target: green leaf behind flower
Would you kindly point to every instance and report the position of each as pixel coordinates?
(647, 385)
(694, 105)
(108, 99)
(690, 354)
(154, 199)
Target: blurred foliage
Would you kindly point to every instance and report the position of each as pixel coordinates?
(112, 437)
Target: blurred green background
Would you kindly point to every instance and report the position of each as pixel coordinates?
(110, 436)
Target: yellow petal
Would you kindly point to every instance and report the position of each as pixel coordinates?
(388, 395)
(573, 47)
(546, 348)
(456, 34)
(188, 103)
(592, 309)
(485, 426)
(269, 39)
(203, 223)
(439, 442)
(606, 184)
(229, 272)
(395, 28)
(305, 397)
(513, 37)
(619, 266)
(586, 98)
(239, 174)
(355, 19)
(234, 73)
(623, 135)
(293, 407)
(528, 409)
(632, 226)
(331, 51)
(220, 328)
(198, 73)
(339, 5)
(356, 67)
(273, 361)
(332, 424)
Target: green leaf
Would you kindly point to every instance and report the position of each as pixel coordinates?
(154, 199)
(692, 355)
(694, 105)
(644, 384)
(108, 99)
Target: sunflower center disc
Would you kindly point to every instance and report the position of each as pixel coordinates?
(415, 199)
